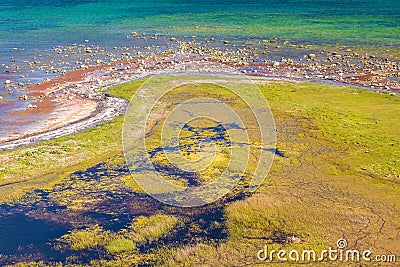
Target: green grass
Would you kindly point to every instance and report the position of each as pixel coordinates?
(120, 245)
(143, 230)
(339, 178)
(149, 229)
(364, 123)
(43, 164)
(92, 237)
(126, 90)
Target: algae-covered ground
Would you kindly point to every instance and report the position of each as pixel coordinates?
(336, 174)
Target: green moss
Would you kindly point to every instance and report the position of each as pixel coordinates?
(120, 245)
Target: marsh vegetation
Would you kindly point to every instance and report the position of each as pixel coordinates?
(337, 175)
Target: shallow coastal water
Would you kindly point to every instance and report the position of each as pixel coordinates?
(31, 25)
(41, 23)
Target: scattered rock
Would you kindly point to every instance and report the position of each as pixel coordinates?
(31, 106)
(312, 56)
(292, 240)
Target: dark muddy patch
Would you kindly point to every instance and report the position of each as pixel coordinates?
(29, 229)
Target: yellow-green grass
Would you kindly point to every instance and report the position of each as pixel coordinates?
(189, 141)
(149, 229)
(339, 178)
(365, 123)
(91, 237)
(119, 245)
(143, 230)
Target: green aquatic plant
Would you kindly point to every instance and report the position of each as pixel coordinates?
(88, 238)
(119, 245)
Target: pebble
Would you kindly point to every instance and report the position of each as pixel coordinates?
(31, 106)
(328, 64)
(23, 97)
(312, 56)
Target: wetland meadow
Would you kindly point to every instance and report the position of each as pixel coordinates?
(199, 133)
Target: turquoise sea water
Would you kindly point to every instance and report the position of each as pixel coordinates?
(49, 22)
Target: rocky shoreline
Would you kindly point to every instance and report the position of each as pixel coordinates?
(90, 81)
(93, 85)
